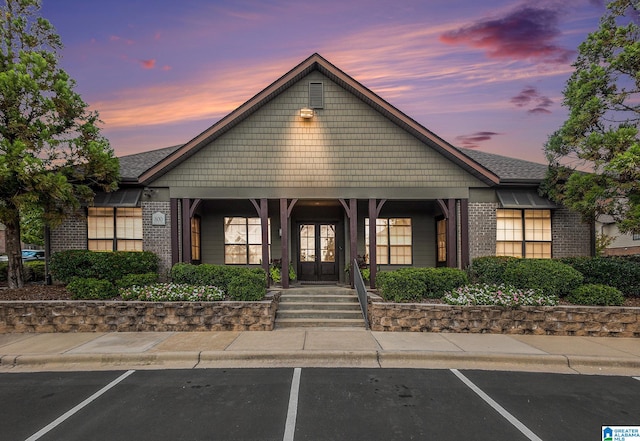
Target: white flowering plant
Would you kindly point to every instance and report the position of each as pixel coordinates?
(172, 292)
(499, 295)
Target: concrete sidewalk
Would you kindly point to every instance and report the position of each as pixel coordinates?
(318, 347)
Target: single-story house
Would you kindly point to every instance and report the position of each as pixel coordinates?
(317, 170)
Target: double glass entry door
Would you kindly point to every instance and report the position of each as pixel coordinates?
(318, 260)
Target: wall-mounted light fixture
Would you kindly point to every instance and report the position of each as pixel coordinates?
(306, 113)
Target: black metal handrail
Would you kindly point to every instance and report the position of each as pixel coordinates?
(362, 292)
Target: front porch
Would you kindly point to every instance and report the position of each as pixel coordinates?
(321, 238)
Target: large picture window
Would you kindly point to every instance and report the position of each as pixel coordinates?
(243, 240)
(114, 228)
(523, 233)
(393, 241)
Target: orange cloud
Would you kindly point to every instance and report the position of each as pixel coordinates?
(148, 64)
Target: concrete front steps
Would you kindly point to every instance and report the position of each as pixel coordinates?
(319, 307)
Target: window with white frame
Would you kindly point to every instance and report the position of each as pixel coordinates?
(243, 240)
(114, 228)
(393, 241)
(523, 233)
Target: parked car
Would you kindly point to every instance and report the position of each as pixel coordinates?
(27, 256)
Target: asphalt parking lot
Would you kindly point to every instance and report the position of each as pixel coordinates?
(313, 404)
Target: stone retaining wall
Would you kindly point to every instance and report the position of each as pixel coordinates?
(541, 320)
(110, 316)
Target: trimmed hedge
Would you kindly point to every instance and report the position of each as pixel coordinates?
(596, 294)
(112, 266)
(137, 280)
(621, 273)
(396, 287)
(412, 284)
(551, 276)
(235, 281)
(247, 286)
(91, 289)
(489, 269)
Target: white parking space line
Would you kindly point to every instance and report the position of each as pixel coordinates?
(292, 413)
(501, 410)
(80, 406)
(637, 378)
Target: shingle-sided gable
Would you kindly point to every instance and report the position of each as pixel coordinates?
(316, 63)
(348, 144)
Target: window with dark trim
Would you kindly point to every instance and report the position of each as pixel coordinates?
(243, 240)
(195, 238)
(523, 233)
(393, 241)
(636, 236)
(114, 228)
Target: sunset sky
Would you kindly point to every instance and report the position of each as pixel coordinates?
(483, 74)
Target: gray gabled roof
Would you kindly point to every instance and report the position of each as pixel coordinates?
(510, 170)
(133, 166)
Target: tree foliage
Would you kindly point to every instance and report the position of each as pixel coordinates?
(52, 155)
(595, 156)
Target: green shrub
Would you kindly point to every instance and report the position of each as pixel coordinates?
(621, 273)
(91, 289)
(489, 269)
(214, 275)
(34, 271)
(112, 266)
(596, 294)
(247, 285)
(551, 276)
(397, 287)
(137, 280)
(445, 279)
(436, 281)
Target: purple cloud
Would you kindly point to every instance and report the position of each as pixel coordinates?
(528, 33)
(472, 141)
(529, 96)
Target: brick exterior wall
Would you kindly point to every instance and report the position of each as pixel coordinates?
(593, 321)
(482, 229)
(157, 238)
(570, 236)
(71, 234)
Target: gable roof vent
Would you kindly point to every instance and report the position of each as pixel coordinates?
(316, 95)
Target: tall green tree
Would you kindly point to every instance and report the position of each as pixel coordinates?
(52, 155)
(595, 156)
